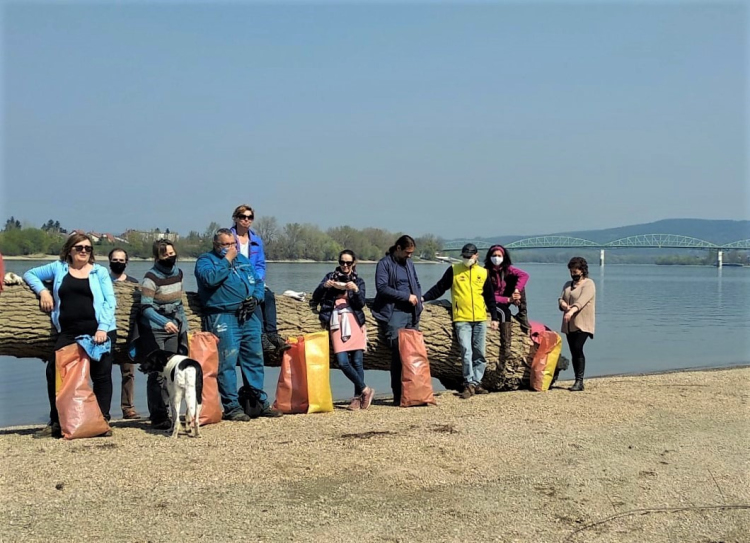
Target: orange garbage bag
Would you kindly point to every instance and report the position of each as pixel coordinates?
(291, 390)
(545, 360)
(416, 380)
(204, 349)
(77, 407)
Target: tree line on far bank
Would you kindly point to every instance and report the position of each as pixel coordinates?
(293, 241)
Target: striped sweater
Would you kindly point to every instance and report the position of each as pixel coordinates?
(161, 297)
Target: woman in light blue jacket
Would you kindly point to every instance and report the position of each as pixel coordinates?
(82, 302)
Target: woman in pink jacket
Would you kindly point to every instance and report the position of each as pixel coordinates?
(509, 284)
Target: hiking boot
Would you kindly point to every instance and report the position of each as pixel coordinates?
(130, 414)
(355, 404)
(367, 395)
(266, 344)
(270, 412)
(52, 430)
(237, 415)
(279, 343)
(467, 392)
(165, 424)
(479, 389)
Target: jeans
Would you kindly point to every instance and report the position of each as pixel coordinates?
(352, 364)
(239, 344)
(471, 338)
(266, 313)
(101, 376)
(390, 329)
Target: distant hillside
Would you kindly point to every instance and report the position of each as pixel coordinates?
(715, 231)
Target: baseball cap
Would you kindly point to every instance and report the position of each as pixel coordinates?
(469, 250)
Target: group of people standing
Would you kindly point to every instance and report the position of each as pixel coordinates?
(240, 310)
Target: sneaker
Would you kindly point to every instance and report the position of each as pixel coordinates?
(355, 404)
(130, 414)
(237, 415)
(467, 392)
(367, 395)
(52, 430)
(270, 412)
(165, 424)
(479, 389)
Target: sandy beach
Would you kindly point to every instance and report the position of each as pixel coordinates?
(643, 459)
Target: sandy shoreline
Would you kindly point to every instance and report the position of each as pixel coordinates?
(516, 466)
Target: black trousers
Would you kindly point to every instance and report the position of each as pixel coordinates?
(101, 376)
(575, 343)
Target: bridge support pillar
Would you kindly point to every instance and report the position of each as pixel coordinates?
(601, 257)
(720, 259)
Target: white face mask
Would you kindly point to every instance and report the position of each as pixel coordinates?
(469, 262)
(497, 260)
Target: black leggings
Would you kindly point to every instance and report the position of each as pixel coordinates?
(101, 375)
(575, 342)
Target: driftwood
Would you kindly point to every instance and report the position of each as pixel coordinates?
(27, 332)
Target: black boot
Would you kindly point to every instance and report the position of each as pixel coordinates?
(268, 347)
(522, 315)
(506, 335)
(578, 367)
(279, 343)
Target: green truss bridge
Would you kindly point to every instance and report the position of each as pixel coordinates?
(656, 241)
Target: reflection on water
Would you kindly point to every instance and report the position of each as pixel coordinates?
(649, 318)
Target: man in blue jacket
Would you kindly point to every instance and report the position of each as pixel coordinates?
(229, 290)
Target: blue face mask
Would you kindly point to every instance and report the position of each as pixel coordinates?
(223, 252)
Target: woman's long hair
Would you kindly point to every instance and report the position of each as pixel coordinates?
(506, 258)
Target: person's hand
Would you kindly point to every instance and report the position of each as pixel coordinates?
(351, 285)
(100, 336)
(569, 315)
(231, 252)
(171, 328)
(494, 325)
(563, 305)
(413, 300)
(515, 302)
(516, 297)
(46, 303)
(329, 284)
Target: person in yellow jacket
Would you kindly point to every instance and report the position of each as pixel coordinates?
(472, 296)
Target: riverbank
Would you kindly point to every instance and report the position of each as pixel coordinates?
(647, 458)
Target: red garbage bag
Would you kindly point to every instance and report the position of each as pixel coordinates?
(416, 380)
(77, 407)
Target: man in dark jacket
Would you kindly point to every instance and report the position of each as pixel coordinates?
(398, 302)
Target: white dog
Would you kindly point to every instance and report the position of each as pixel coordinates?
(183, 378)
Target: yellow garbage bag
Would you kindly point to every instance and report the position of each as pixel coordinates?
(319, 397)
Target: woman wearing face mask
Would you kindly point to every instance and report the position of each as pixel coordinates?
(162, 323)
(509, 285)
(341, 295)
(578, 304)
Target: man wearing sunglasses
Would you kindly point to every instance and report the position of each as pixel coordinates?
(250, 245)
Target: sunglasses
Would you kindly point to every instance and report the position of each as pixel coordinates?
(246, 217)
(83, 248)
(346, 262)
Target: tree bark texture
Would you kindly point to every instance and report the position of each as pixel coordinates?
(27, 332)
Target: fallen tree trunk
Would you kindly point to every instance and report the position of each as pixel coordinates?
(27, 332)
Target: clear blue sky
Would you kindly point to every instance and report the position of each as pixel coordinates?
(452, 118)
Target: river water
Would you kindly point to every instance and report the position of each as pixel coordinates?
(649, 319)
